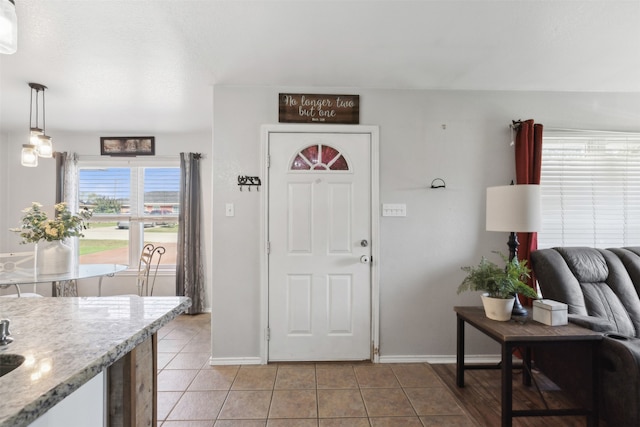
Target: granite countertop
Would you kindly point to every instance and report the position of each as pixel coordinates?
(68, 341)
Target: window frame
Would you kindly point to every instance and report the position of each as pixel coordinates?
(136, 222)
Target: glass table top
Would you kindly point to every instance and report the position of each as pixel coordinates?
(80, 271)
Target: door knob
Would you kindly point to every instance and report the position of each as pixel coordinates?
(365, 259)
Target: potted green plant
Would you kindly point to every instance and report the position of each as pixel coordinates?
(499, 285)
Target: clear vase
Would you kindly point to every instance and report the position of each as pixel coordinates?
(53, 258)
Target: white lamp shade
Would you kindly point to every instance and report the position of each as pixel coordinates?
(29, 155)
(514, 208)
(35, 134)
(45, 149)
(8, 27)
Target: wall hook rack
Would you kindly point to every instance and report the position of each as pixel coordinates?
(249, 181)
(438, 183)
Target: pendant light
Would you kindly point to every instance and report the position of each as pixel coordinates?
(39, 143)
(29, 156)
(8, 27)
(45, 149)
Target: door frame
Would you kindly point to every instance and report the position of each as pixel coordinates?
(373, 131)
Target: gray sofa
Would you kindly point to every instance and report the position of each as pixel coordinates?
(600, 287)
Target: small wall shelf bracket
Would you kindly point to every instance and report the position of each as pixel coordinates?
(438, 183)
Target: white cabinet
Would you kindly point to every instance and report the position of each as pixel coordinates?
(84, 407)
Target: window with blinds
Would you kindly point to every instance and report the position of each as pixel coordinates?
(131, 206)
(590, 187)
(130, 192)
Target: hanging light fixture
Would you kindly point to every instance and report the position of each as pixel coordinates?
(8, 27)
(29, 156)
(45, 149)
(39, 143)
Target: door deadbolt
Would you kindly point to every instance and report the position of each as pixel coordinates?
(364, 243)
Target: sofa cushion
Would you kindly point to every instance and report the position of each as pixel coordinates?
(557, 281)
(630, 257)
(587, 264)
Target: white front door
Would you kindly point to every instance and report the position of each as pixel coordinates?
(319, 232)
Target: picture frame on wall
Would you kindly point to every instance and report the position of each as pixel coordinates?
(127, 146)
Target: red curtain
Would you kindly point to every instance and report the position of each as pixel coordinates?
(528, 166)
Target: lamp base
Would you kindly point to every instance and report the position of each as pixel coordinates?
(518, 309)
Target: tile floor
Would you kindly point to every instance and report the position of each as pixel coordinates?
(191, 393)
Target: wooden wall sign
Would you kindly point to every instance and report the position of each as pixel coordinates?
(314, 108)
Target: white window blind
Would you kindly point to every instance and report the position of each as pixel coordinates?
(131, 192)
(105, 190)
(590, 187)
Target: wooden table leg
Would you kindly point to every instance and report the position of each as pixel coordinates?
(507, 391)
(460, 353)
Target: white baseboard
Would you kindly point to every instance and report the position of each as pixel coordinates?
(437, 359)
(234, 361)
(434, 360)
(403, 359)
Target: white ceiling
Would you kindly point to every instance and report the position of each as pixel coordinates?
(148, 65)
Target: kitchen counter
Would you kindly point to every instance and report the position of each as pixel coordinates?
(68, 341)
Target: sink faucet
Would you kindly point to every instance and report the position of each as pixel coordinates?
(4, 332)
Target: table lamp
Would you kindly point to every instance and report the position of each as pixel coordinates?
(514, 209)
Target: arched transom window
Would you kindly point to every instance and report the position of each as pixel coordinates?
(320, 157)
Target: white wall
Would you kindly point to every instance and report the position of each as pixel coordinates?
(4, 185)
(21, 185)
(421, 254)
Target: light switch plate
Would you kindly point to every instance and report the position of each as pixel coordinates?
(394, 209)
(229, 210)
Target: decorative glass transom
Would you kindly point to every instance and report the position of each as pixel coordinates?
(320, 157)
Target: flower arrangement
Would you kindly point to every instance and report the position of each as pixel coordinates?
(37, 226)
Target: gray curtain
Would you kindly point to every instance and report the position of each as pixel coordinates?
(60, 174)
(67, 188)
(66, 179)
(189, 262)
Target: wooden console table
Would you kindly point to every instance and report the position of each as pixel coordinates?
(525, 336)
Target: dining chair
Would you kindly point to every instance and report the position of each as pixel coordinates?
(20, 265)
(148, 268)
